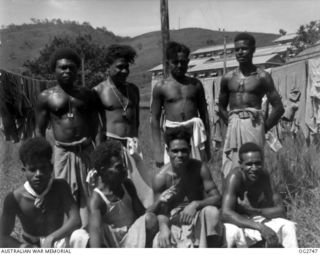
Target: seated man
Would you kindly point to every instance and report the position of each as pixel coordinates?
(41, 203)
(117, 216)
(187, 206)
(251, 209)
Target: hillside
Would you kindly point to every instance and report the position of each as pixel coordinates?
(22, 42)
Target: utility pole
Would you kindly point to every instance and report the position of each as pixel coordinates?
(224, 54)
(165, 34)
(82, 70)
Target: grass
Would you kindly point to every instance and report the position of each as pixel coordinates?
(295, 169)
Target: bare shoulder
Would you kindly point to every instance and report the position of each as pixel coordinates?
(159, 180)
(159, 84)
(234, 179)
(98, 88)
(18, 193)
(45, 94)
(228, 75)
(96, 202)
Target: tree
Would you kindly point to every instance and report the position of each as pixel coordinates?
(91, 53)
(282, 31)
(307, 35)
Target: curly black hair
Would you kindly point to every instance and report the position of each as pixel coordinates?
(102, 155)
(64, 53)
(246, 37)
(174, 47)
(180, 133)
(116, 51)
(249, 147)
(35, 148)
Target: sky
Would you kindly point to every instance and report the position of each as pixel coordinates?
(135, 17)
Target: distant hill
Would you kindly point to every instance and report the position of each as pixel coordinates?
(22, 42)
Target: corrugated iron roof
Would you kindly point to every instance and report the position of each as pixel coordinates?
(213, 48)
(192, 63)
(272, 59)
(286, 37)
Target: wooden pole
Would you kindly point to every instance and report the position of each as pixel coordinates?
(82, 71)
(165, 34)
(224, 54)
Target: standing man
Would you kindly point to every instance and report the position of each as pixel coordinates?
(243, 90)
(188, 202)
(72, 113)
(184, 103)
(252, 209)
(120, 100)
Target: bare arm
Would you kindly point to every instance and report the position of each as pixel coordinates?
(275, 101)
(136, 203)
(156, 108)
(274, 209)
(73, 220)
(137, 110)
(224, 99)
(101, 129)
(211, 192)
(42, 114)
(95, 221)
(211, 197)
(229, 203)
(203, 112)
(7, 222)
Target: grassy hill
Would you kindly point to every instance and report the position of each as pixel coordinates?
(24, 42)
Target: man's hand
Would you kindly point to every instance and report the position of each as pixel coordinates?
(269, 235)
(246, 205)
(164, 238)
(188, 213)
(48, 242)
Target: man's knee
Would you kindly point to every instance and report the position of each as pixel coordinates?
(79, 239)
(151, 221)
(211, 213)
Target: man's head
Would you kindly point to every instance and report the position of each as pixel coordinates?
(65, 63)
(178, 58)
(107, 160)
(35, 155)
(178, 146)
(251, 161)
(118, 57)
(245, 46)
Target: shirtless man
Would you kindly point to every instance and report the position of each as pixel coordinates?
(72, 112)
(252, 209)
(118, 218)
(188, 198)
(120, 118)
(243, 90)
(41, 204)
(183, 100)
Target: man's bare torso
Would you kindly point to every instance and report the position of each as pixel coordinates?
(259, 195)
(190, 181)
(180, 101)
(68, 113)
(41, 221)
(246, 91)
(121, 115)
